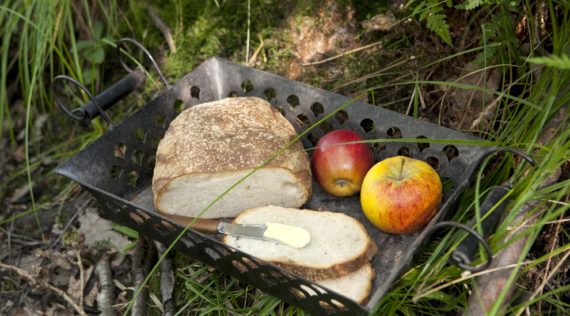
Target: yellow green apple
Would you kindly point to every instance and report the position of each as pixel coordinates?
(401, 195)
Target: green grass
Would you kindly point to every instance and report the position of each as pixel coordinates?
(533, 89)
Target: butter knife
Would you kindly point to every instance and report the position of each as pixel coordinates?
(294, 236)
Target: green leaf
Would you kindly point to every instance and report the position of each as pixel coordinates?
(96, 55)
(420, 7)
(109, 40)
(437, 23)
(484, 58)
(125, 230)
(83, 45)
(89, 75)
(469, 4)
(97, 30)
(561, 62)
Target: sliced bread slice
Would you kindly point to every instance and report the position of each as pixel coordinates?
(339, 243)
(356, 285)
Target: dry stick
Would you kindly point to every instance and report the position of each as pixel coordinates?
(43, 284)
(548, 277)
(373, 74)
(105, 295)
(81, 276)
(547, 268)
(489, 287)
(166, 281)
(253, 58)
(163, 28)
(343, 54)
(138, 257)
(70, 221)
(141, 265)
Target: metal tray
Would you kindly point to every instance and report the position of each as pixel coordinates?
(117, 169)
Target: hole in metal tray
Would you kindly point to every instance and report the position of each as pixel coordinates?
(269, 93)
(317, 109)
(367, 125)
(247, 86)
(341, 116)
(326, 127)
(115, 172)
(195, 92)
(432, 161)
(394, 132)
(451, 152)
(303, 120)
(178, 106)
(120, 150)
(405, 151)
(422, 146)
(293, 100)
(137, 157)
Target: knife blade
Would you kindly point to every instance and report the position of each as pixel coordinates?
(244, 230)
(294, 236)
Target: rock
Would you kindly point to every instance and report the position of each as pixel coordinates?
(329, 32)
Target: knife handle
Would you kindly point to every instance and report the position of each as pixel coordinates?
(207, 226)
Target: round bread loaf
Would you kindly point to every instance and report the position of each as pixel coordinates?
(211, 146)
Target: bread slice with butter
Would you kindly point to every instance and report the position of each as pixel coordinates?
(339, 244)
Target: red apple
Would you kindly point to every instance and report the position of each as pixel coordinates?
(401, 195)
(340, 168)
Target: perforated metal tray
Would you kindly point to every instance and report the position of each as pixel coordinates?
(117, 169)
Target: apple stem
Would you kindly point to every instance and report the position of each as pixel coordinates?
(401, 169)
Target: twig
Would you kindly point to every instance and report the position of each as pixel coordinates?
(69, 222)
(547, 278)
(166, 281)
(81, 276)
(352, 51)
(253, 58)
(104, 297)
(141, 264)
(43, 284)
(163, 28)
(375, 74)
(547, 268)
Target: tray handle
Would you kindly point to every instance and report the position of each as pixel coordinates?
(476, 238)
(108, 97)
(464, 254)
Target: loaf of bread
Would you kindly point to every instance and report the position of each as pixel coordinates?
(211, 146)
(339, 244)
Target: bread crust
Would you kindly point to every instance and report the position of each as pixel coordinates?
(333, 271)
(232, 134)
